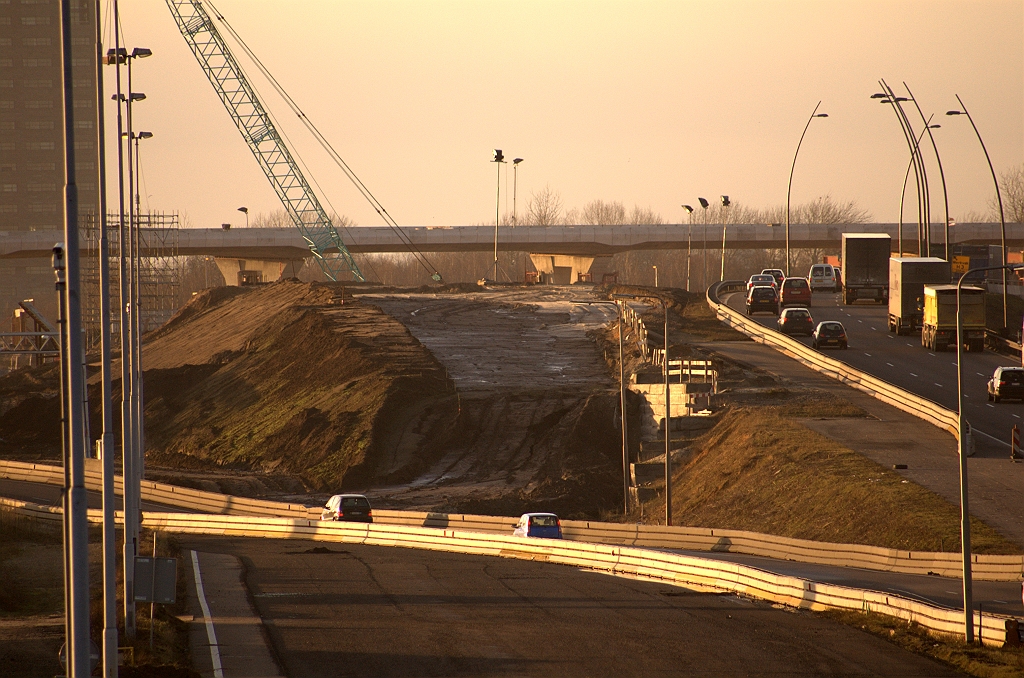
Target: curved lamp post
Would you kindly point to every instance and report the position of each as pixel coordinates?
(965, 521)
(498, 159)
(515, 186)
(942, 176)
(887, 96)
(689, 235)
(789, 190)
(999, 199)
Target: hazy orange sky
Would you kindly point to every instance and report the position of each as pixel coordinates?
(649, 103)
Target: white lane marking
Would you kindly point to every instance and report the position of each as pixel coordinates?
(991, 437)
(931, 354)
(909, 344)
(873, 329)
(890, 336)
(977, 373)
(860, 321)
(868, 354)
(912, 374)
(937, 384)
(1016, 416)
(953, 364)
(218, 669)
(890, 365)
(990, 405)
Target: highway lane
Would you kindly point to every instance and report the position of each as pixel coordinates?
(352, 610)
(902, 361)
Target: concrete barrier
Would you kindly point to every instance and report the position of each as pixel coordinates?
(984, 568)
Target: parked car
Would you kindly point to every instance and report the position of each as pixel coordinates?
(796, 321)
(347, 507)
(795, 292)
(764, 299)
(761, 279)
(1006, 382)
(829, 333)
(544, 525)
(775, 273)
(822, 277)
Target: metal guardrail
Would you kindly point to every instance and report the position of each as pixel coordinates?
(920, 407)
(676, 569)
(985, 567)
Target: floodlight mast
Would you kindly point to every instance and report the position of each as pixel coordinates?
(259, 132)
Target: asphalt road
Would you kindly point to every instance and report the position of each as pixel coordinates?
(353, 610)
(902, 361)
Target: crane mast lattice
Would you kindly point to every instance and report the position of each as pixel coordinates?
(259, 132)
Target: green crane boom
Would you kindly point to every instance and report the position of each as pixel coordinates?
(258, 130)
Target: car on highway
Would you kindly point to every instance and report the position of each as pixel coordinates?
(775, 273)
(795, 292)
(796, 321)
(347, 508)
(761, 279)
(763, 299)
(543, 525)
(822, 277)
(829, 333)
(1006, 382)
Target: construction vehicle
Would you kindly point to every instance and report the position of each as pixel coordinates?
(938, 330)
(907, 278)
(865, 266)
(266, 143)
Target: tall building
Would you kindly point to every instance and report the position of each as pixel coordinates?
(32, 136)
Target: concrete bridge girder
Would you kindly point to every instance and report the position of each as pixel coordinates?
(250, 271)
(565, 269)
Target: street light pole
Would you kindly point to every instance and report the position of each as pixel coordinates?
(814, 114)
(965, 522)
(515, 186)
(906, 178)
(725, 228)
(245, 211)
(999, 198)
(887, 96)
(942, 175)
(668, 426)
(622, 414)
(498, 159)
(689, 236)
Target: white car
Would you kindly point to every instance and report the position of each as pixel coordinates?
(544, 525)
(822, 278)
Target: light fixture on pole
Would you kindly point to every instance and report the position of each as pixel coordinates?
(725, 227)
(689, 234)
(999, 199)
(704, 242)
(498, 159)
(789, 190)
(965, 521)
(245, 211)
(515, 186)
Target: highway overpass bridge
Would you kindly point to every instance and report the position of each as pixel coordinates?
(562, 252)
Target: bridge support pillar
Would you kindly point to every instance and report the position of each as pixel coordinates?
(568, 269)
(249, 271)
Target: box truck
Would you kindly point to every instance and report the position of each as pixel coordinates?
(938, 330)
(907, 278)
(865, 266)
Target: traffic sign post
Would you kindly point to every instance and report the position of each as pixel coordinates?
(1015, 444)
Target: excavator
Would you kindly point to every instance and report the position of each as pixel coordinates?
(261, 134)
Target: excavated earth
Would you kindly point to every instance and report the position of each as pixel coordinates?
(476, 401)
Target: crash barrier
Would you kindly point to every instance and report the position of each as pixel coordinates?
(984, 567)
(675, 569)
(633, 320)
(920, 407)
(1002, 345)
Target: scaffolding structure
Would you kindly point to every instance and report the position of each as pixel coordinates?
(160, 273)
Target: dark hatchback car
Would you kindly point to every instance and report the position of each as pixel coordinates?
(347, 507)
(1006, 382)
(762, 299)
(796, 321)
(829, 333)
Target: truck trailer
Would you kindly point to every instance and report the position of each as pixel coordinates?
(907, 278)
(938, 331)
(865, 258)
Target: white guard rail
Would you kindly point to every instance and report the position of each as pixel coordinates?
(985, 567)
(920, 407)
(671, 568)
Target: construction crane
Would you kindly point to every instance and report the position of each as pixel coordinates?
(260, 133)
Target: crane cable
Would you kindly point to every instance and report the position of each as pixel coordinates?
(334, 155)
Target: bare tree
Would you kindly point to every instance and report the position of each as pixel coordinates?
(544, 208)
(1011, 185)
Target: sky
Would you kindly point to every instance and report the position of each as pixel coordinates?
(642, 102)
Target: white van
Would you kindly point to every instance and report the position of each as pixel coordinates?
(822, 277)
